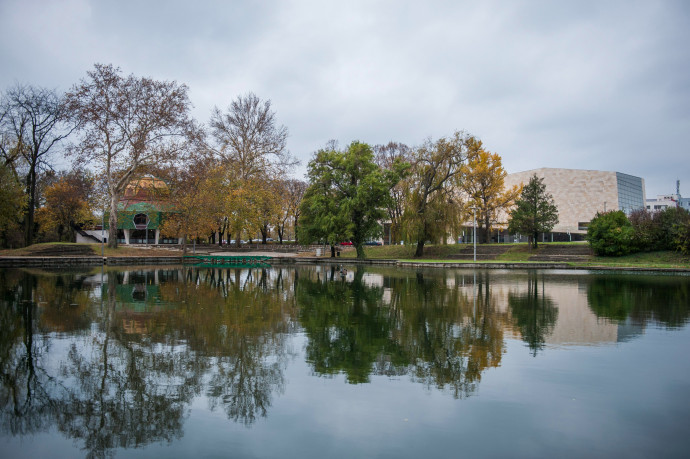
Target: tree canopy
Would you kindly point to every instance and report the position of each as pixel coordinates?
(128, 124)
(433, 203)
(346, 197)
(484, 184)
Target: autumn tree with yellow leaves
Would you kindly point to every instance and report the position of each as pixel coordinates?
(195, 206)
(69, 202)
(483, 182)
(251, 146)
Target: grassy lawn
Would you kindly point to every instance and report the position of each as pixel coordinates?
(519, 253)
(515, 253)
(121, 251)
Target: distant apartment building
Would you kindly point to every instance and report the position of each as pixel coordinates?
(668, 200)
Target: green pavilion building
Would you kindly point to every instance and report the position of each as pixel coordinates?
(141, 211)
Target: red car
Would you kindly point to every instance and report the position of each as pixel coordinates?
(346, 243)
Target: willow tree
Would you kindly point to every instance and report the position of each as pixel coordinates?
(433, 204)
(128, 124)
(483, 183)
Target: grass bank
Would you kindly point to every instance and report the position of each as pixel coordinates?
(520, 253)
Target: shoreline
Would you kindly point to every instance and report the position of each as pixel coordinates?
(93, 261)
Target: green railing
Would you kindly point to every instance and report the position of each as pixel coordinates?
(242, 261)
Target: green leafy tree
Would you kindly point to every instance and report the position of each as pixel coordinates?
(611, 234)
(534, 212)
(346, 197)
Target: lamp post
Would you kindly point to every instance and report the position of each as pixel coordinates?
(102, 228)
(474, 228)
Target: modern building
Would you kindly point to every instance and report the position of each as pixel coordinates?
(580, 194)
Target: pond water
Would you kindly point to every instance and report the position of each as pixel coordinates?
(311, 362)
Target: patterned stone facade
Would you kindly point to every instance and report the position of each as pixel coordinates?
(580, 194)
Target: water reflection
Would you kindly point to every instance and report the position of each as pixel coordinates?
(640, 299)
(406, 323)
(132, 363)
(114, 359)
(533, 312)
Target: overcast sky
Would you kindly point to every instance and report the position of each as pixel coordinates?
(589, 85)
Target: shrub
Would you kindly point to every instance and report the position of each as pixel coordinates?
(681, 237)
(647, 230)
(611, 234)
(668, 219)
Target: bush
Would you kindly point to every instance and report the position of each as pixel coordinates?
(647, 230)
(611, 234)
(681, 237)
(668, 220)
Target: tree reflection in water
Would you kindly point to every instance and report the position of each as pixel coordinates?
(115, 361)
(640, 299)
(534, 313)
(427, 327)
(123, 387)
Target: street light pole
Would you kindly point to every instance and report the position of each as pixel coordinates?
(102, 228)
(474, 227)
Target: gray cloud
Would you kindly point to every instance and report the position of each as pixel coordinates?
(596, 85)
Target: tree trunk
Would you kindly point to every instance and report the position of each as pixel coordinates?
(487, 229)
(332, 251)
(535, 237)
(112, 222)
(29, 215)
(420, 249)
(360, 251)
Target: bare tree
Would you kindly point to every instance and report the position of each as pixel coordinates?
(249, 140)
(33, 123)
(390, 157)
(128, 124)
(292, 192)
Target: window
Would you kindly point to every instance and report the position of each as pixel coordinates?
(141, 221)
